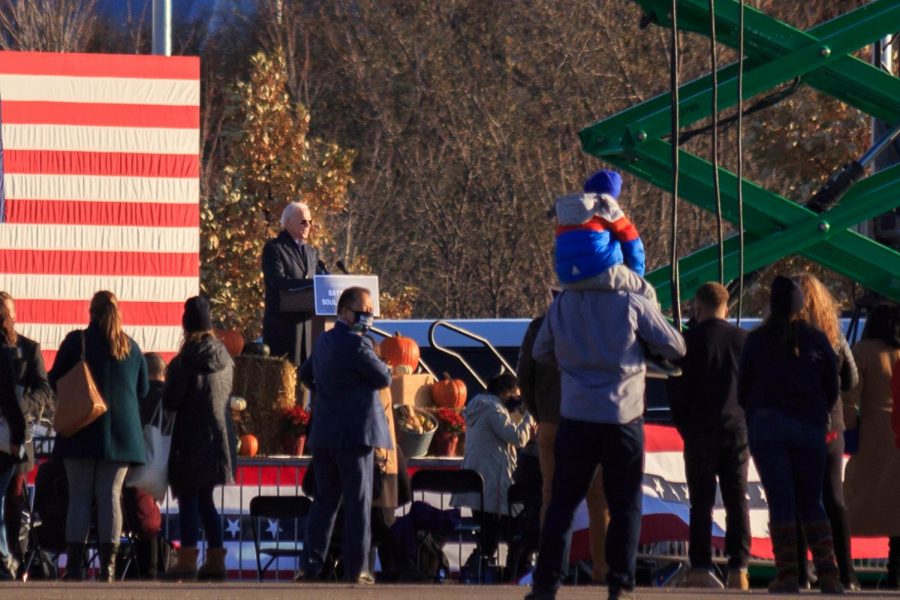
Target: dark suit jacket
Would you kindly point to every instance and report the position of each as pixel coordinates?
(38, 400)
(285, 265)
(345, 375)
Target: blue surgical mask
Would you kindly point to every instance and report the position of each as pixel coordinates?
(362, 321)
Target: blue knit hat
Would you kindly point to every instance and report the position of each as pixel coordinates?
(604, 182)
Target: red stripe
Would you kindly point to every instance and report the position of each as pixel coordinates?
(50, 356)
(70, 212)
(662, 438)
(594, 224)
(72, 64)
(126, 164)
(154, 314)
(75, 262)
(20, 112)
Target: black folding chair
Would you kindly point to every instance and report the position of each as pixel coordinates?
(277, 508)
(454, 481)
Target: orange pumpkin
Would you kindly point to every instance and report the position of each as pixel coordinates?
(249, 445)
(398, 350)
(232, 339)
(449, 393)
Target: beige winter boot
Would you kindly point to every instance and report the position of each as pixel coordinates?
(213, 567)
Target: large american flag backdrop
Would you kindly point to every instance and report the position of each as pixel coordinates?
(100, 191)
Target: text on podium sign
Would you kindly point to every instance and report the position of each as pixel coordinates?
(327, 290)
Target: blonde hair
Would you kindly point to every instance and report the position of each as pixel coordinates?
(105, 314)
(819, 307)
(7, 326)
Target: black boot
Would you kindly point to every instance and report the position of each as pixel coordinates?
(74, 562)
(893, 566)
(108, 554)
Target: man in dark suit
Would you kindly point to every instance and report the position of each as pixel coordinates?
(288, 262)
(348, 424)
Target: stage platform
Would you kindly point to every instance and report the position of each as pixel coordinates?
(248, 591)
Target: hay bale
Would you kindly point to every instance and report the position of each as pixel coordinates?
(268, 385)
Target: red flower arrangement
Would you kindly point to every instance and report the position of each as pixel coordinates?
(450, 421)
(294, 420)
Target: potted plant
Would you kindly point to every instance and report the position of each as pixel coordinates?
(294, 422)
(450, 425)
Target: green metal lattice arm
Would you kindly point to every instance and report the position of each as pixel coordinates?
(774, 226)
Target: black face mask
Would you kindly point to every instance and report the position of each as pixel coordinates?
(513, 403)
(362, 321)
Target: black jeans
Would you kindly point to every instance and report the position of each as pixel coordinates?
(580, 447)
(833, 499)
(197, 509)
(722, 454)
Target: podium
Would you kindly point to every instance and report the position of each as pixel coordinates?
(312, 305)
(299, 306)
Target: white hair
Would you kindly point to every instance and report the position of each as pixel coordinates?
(291, 211)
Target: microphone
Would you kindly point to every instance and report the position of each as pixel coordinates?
(321, 269)
(341, 267)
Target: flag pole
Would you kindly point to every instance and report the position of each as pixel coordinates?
(162, 27)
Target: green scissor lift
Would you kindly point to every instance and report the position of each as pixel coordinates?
(774, 226)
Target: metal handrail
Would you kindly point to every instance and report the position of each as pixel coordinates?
(457, 355)
(422, 363)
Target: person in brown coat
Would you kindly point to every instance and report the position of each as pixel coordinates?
(872, 477)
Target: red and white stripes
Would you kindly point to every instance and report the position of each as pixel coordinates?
(101, 178)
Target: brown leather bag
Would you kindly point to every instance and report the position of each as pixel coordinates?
(79, 401)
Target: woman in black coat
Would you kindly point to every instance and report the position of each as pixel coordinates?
(9, 408)
(787, 385)
(198, 386)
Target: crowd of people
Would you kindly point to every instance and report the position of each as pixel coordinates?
(570, 421)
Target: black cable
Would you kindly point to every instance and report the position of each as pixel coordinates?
(740, 161)
(673, 79)
(714, 60)
(763, 103)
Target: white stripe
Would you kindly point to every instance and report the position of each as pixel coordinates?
(84, 138)
(149, 338)
(21, 236)
(77, 287)
(98, 188)
(109, 90)
(670, 466)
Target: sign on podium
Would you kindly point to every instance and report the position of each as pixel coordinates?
(328, 288)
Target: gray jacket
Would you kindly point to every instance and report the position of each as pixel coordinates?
(597, 338)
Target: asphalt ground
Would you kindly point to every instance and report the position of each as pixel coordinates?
(247, 591)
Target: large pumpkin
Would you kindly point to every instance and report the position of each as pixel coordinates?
(232, 339)
(448, 392)
(249, 445)
(398, 350)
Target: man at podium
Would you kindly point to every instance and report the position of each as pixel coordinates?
(289, 263)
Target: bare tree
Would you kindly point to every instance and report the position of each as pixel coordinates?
(47, 25)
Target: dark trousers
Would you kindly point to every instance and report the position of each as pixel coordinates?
(833, 499)
(194, 509)
(722, 454)
(16, 535)
(341, 475)
(580, 448)
(790, 456)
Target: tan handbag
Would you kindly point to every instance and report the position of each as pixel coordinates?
(79, 401)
